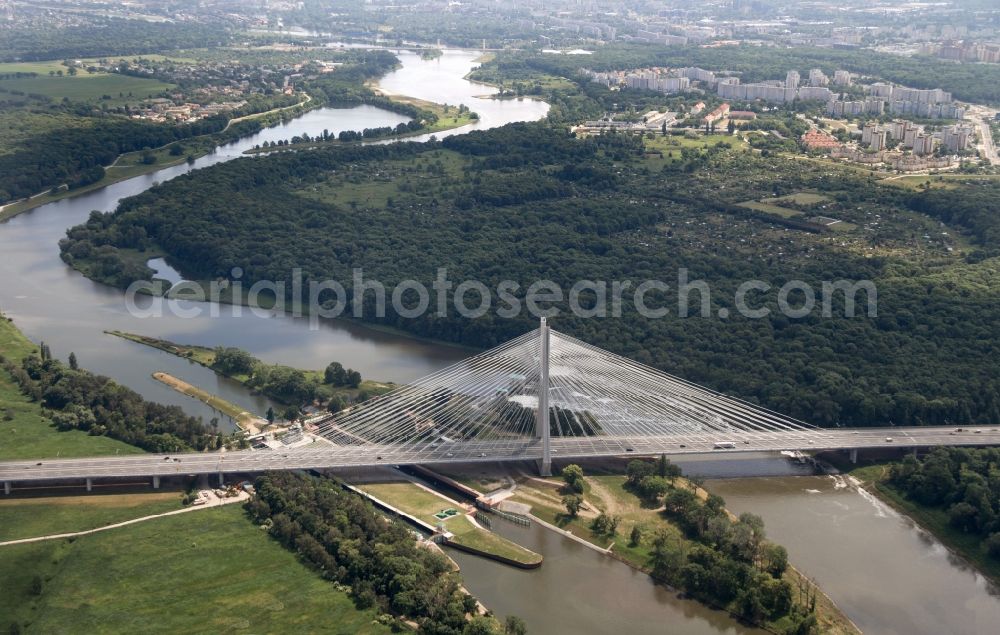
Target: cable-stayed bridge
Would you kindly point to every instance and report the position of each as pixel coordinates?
(540, 396)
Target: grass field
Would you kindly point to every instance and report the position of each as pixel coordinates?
(799, 198)
(84, 86)
(209, 571)
(937, 181)
(30, 517)
(28, 434)
(424, 173)
(670, 146)
(43, 67)
(89, 87)
(770, 208)
(418, 502)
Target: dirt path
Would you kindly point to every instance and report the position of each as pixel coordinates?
(213, 501)
(607, 500)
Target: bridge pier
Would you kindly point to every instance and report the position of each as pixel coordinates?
(6, 487)
(854, 455)
(156, 482)
(542, 414)
(222, 479)
(90, 485)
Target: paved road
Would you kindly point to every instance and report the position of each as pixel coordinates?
(977, 114)
(328, 456)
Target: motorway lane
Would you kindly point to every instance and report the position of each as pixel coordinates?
(483, 451)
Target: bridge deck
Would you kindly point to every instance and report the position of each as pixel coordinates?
(486, 451)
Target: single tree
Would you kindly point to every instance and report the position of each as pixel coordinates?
(514, 625)
(573, 503)
(72, 362)
(635, 538)
(573, 475)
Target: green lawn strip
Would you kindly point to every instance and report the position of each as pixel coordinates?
(32, 517)
(209, 571)
(469, 535)
(25, 433)
(769, 208)
(416, 501)
(799, 198)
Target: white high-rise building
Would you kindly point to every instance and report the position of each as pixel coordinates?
(842, 78)
(792, 79)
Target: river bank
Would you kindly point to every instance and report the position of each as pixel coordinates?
(872, 476)
(885, 572)
(445, 119)
(132, 164)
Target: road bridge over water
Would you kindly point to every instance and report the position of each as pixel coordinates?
(541, 396)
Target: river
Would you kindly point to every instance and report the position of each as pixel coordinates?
(577, 590)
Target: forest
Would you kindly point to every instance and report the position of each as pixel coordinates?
(528, 202)
(351, 544)
(75, 399)
(107, 36)
(78, 153)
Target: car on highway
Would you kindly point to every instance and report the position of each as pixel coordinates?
(888, 439)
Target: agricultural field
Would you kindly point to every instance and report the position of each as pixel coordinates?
(209, 570)
(84, 86)
(118, 89)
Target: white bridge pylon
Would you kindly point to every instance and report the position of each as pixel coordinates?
(546, 392)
